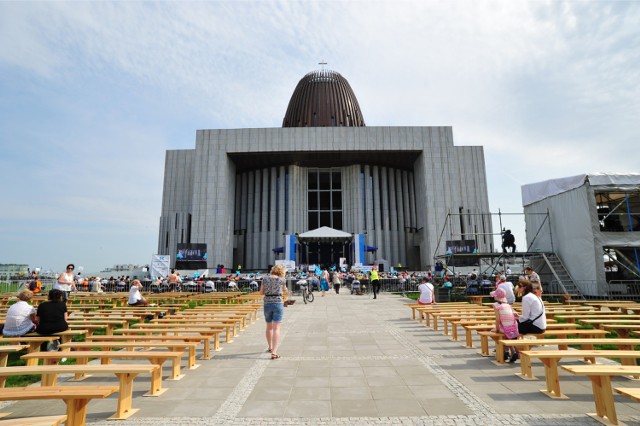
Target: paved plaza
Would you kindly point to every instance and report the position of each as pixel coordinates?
(353, 360)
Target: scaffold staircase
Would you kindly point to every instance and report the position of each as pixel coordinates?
(559, 273)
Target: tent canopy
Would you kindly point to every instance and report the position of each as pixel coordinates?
(326, 234)
(534, 192)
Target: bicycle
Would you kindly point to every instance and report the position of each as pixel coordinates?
(307, 296)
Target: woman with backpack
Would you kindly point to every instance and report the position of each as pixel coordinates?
(506, 322)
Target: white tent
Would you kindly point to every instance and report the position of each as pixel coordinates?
(572, 228)
(325, 233)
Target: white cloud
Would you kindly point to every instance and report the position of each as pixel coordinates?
(99, 90)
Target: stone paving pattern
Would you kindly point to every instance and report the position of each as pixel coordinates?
(352, 360)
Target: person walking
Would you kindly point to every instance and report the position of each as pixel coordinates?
(273, 289)
(66, 282)
(375, 282)
(324, 281)
(335, 279)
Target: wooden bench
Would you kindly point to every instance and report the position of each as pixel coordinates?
(551, 358)
(250, 309)
(75, 397)
(614, 319)
(141, 338)
(124, 372)
(414, 307)
(563, 344)
(33, 343)
(228, 327)
(239, 318)
(427, 311)
(445, 315)
(35, 421)
(632, 393)
(4, 355)
(82, 357)
(484, 331)
(600, 376)
(623, 330)
(64, 336)
(207, 332)
(591, 315)
(500, 342)
(561, 332)
(453, 320)
(108, 345)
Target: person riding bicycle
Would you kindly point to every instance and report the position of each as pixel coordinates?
(302, 282)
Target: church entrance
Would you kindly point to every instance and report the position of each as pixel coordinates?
(325, 252)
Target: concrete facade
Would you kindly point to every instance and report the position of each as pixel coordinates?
(241, 190)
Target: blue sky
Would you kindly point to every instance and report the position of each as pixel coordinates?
(92, 94)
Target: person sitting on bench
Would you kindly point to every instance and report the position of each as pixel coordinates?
(52, 316)
(21, 316)
(135, 297)
(533, 319)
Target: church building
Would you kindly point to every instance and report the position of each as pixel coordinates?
(324, 186)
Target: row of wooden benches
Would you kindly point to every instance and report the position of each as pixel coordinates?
(482, 320)
(183, 331)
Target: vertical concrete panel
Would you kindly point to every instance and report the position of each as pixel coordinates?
(401, 203)
(273, 225)
(264, 243)
(255, 244)
(420, 184)
(370, 237)
(393, 217)
(358, 208)
(386, 245)
(251, 208)
(377, 205)
(281, 203)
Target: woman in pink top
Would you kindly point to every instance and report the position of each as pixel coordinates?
(506, 321)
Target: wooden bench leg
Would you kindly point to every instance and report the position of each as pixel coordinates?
(500, 352)
(49, 379)
(125, 397)
(216, 342)
(603, 396)
(76, 411)
(175, 368)
(435, 324)
(156, 383)
(553, 381)
(469, 338)
(525, 366)
(484, 345)
(454, 332)
(207, 351)
(82, 376)
(446, 327)
(191, 363)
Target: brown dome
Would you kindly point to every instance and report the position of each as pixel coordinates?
(323, 99)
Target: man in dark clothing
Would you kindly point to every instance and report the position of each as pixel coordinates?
(508, 240)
